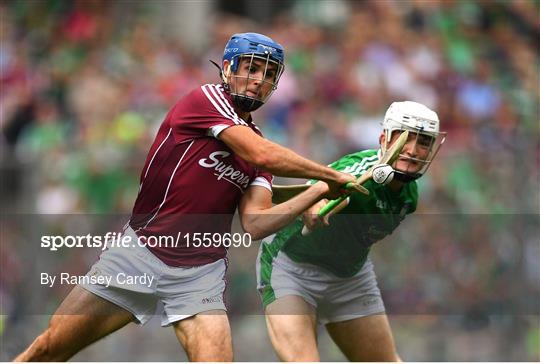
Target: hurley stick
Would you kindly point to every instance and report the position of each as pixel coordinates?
(388, 157)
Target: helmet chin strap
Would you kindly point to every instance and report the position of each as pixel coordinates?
(246, 103)
(405, 177)
(221, 74)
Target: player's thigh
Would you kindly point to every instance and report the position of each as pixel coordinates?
(292, 327)
(366, 338)
(206, 336)
(81, 319)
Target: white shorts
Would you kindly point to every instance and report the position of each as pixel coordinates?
(335, 299)
(184, 292)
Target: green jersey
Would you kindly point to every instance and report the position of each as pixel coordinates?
(343, 247)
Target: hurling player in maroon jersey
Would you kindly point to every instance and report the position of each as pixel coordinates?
(208, 160)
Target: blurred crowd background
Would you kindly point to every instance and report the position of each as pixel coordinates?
(85, 84)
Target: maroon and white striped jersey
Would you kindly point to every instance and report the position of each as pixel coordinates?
(191, 181)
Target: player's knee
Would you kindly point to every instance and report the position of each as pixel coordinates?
(300, 355)
(291, 351)
(223, 346)
(210, 344)
(212, 351)
(291, 347)
(378, 356)
(226, 353)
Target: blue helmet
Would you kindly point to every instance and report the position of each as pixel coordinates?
(248, 43)
(267, 58)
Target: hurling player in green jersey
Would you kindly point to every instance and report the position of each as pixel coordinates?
(326, 276)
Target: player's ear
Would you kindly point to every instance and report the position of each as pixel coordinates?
(226, 69)
(382, 141)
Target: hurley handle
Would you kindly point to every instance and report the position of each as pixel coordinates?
(389, 156)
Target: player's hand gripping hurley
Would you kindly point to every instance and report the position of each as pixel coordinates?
(389, 156)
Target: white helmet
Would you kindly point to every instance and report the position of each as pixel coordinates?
(419, 120)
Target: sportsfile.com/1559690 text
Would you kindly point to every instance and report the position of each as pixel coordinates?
(115, 239)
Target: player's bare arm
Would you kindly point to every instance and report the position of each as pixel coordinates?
(260, 218)
(279, 160)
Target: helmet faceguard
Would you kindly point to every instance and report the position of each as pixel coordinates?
(251, 56)
(423, 126)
